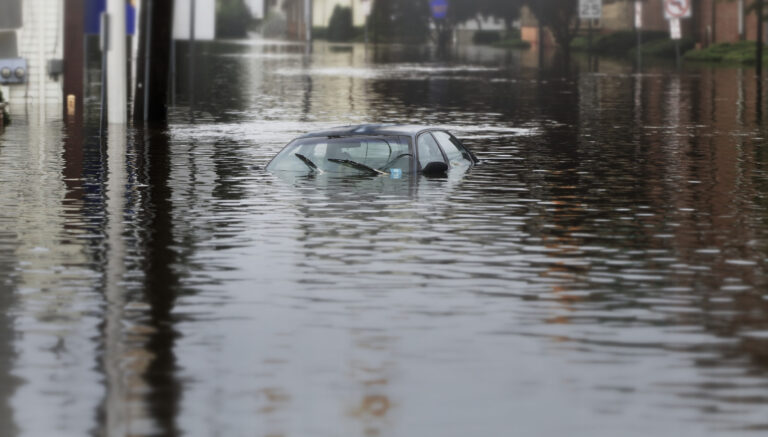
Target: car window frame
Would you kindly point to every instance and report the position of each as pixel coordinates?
(466, 155)
(440, 148)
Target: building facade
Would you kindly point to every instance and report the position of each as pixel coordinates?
(38, 40)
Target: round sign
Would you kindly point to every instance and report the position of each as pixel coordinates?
(677, 8)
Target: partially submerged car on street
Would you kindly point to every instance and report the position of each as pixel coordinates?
(376, 150)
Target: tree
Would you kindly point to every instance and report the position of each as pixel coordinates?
(507, 10)
(560, 17)
(340, 27)
(404, 21)
(232, 18)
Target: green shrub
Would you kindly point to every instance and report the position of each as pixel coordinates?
(340, 27)
(665, 48)
(512, 43)
(233, 19)
(615, 43)
(742, 52)
(485, 37)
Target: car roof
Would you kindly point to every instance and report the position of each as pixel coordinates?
(368, 130)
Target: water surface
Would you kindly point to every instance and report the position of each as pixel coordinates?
(602, 273)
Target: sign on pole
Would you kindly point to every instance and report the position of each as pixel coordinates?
(675, 32)
(205, 19)
(590, 9)
(677, 9)
(638, 14)
(439, 9)
(366, 6)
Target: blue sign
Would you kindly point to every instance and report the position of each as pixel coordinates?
(93, 10)
(439, 9)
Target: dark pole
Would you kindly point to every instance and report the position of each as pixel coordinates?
(147, 60)
(191, 65)
(74, 56)
(759, 54)
(154, 60)
(104, 74)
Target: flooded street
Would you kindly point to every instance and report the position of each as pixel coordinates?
(602, 273)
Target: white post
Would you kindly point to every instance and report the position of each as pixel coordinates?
(741, 19)
(116, 64)
(308, 18)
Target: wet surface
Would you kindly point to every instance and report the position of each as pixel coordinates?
(602, 273)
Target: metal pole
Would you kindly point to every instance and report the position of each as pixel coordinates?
(308, 18)
(104, 68)
(117, 87)
(191, 66)
(741, 20)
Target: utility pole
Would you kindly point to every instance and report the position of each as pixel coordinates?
(74, 55)
(153, 64)
(759, 55)
(117, 93)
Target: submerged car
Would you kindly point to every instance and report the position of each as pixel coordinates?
(375, 149)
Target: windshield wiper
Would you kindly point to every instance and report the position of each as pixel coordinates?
(357, 166)
(395, 160)
(312, 166)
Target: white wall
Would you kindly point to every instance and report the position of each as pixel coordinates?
(40, 39)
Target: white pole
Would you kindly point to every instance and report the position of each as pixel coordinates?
(308, 18)
(116, 64)
(741, 19)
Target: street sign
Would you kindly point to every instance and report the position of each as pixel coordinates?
(638, 14)
(439, 9)
(675, 32)
(93, 10)
(590, 9)
(205, 19)
(366, 6)
(677, 9)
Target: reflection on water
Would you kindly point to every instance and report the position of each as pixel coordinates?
(605, 265)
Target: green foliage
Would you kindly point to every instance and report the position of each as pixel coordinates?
(340, 27)
(617, 43)
(400, 21)
(743, 52)
(485, 37)
(665, 48)
(233, 18)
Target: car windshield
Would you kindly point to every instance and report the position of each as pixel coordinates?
(355, 155)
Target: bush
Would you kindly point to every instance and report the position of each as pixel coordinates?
(665, 48)
(340, 27)
(616, 43)
(233, 18)
(485, 37)
(512, 43)
(742, 52)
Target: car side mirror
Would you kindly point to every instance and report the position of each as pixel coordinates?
(435, 168)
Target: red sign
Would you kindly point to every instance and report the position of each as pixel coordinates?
(677, 8)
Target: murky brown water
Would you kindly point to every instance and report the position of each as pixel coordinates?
(603, 273)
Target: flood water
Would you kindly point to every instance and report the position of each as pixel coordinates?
(602, 273)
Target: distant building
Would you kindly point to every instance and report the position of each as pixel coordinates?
(712, 21)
